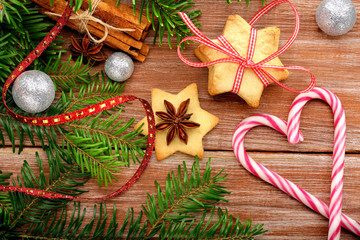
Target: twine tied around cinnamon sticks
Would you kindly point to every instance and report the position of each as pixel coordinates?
(87, 16)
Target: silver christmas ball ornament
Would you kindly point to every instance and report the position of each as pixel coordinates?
(33, 91)
(336, 17)
(119, 67)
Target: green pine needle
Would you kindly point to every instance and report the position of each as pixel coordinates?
(64, 177)
(10, 8)
(247, 2)
(68, 75)
(163, 15)
(102, 144)
(98, 89)
(5, 203)
(94, 157)
(21, 29)
(171, 213)
(98, 146)
(184, 196)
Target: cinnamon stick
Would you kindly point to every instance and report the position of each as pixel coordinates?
(144, 50)
(112, 42)
(121, 36)
(60, 5)
(115, 39)
(145, 33)
(116, 17)
(128, 13)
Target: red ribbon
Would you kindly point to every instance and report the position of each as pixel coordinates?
(234, 57)
(67, 117)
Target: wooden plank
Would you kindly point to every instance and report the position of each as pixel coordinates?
(251, 198)
(332, 59)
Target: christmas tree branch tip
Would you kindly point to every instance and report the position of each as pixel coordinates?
(185, 208)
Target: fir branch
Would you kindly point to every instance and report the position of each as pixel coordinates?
(94, 156)
(187, 186)
(164, 17)
(4, 177)
(21, 34)
(68, 75)
(5, 219)
(118, 144)
(220, 226)
(5, 203)
(226, 227)
(7, 10)
(66, 227)
(64, 177)
(100, 89)
(101, 146)
(111, 131)
(102, 143)
(12, 128)
(184, 196)
(247, 2)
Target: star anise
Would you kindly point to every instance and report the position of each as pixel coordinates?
(92, 52)
(176, 122)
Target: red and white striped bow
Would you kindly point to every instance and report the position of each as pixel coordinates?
(234, 57)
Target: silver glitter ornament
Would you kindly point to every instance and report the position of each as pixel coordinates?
(119, 67)
(336, 17)
(33, 91)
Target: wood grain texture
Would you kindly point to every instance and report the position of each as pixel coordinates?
(251, 198)
(333, 60)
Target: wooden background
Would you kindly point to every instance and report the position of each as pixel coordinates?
(334, 60)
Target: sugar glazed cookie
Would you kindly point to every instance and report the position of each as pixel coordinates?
(181, 122)
(222, 75)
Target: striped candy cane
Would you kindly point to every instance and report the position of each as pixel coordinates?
(294, 136)
(338, 151)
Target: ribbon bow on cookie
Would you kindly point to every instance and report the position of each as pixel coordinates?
(232, 68)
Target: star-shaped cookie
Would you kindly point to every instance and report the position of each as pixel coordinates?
(222, 75)
(206, 120)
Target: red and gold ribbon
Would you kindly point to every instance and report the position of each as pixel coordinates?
(67, 117)
(234, 57)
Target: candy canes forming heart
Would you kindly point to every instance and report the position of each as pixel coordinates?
(291, 130)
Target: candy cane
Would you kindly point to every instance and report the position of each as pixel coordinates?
(294, 136)
(338, 151)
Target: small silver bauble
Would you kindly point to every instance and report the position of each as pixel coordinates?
(336, 17)
(119, 67)
(33, 91)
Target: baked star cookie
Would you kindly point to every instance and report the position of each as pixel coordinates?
(222, 75)
(180, 122)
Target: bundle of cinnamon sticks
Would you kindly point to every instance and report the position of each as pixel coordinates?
(120, 16)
